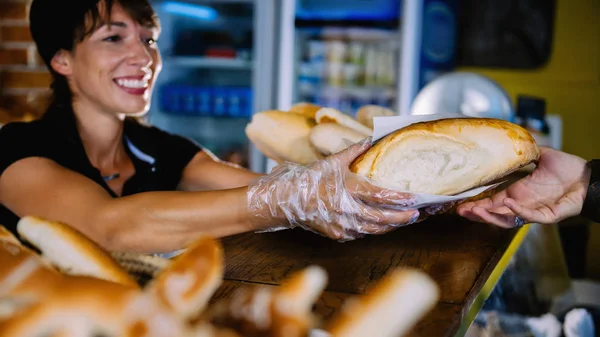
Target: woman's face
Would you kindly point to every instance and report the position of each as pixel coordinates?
(115, 68)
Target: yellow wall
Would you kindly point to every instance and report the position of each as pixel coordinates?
(570, 81)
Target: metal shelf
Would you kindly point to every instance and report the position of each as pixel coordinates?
(210, 62)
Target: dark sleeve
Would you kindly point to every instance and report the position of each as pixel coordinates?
(19, 141)
(591, 205)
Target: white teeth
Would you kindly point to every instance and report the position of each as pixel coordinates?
(132, 83)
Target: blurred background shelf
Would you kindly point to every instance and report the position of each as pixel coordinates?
(210, 62)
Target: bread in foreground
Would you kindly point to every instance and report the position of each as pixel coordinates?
(391, 308)
(70, 251)
(447, 156)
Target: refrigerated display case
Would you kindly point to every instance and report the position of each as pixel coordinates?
(216, 73)
(346, 54)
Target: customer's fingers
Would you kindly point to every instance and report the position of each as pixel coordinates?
(500, 220)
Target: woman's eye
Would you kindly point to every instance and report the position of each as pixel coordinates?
(114, 38)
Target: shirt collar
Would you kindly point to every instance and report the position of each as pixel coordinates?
(141, 150)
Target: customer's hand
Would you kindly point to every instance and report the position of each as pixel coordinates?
(554, 191)
(326, 198)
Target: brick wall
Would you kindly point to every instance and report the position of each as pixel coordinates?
(24, 79)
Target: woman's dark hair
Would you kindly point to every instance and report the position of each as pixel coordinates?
(76, 21)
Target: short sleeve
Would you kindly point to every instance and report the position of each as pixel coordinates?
(22, 140)
(176, 151)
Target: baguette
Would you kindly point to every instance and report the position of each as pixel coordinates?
(283, 311)
(307, 109)
(447, 156)
(283, 136)
(365, 114)
(186, 284)
(330, 115)
(330, 138)
(25, 278)
(390, 309)
(87, 306)
(70, 251)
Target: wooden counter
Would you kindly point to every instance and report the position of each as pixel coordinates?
(463, 257)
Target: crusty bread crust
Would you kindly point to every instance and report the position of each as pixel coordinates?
(366, 113)
(186, 284)
(307, 109)
(393, 306)
(331, 138)
(330, 115)
(70, 251)
(25, 278)
(7, 236)
(283, 136)
(447, 156)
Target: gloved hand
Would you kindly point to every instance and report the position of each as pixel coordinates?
(325, 197)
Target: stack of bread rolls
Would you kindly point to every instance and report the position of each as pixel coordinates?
(66, 285)
(443, 157)
(308, 132)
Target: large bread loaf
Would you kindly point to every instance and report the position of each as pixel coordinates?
(447, 156)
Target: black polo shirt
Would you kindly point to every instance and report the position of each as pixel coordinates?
(158, 157)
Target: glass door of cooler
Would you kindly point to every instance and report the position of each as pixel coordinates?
(346, 53)
(216, 73)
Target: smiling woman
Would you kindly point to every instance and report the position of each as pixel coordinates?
(90, 163)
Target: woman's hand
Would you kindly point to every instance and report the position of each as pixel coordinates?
(554, 191)
(326, 198)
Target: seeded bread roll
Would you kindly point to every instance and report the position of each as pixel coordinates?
(447, 156)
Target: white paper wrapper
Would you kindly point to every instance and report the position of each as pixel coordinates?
(386, 125)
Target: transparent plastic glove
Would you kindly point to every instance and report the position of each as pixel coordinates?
(325, 197)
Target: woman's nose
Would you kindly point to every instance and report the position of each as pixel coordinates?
(140, 55)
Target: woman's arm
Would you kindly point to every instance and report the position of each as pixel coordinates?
(206, 172)
(323, 197)
(149, 222)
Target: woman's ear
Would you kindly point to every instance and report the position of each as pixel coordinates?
(61, 62)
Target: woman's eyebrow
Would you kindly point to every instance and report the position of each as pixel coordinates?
(119, 24)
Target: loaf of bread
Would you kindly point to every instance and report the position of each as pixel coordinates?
(186, 284)
(283, 136)
(390, 309)
(284, 311)
(366, 113)
(447, 156)
(25, 278)
(175, 302)
(306, 109)
(331, 138)
(70, 251)
(330, 115)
